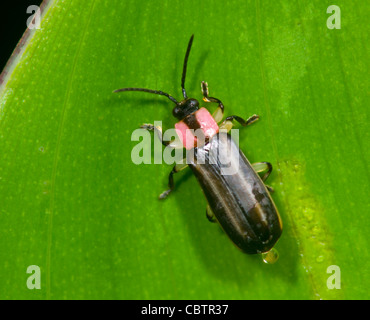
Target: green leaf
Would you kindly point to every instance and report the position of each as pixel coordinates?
(74, 204)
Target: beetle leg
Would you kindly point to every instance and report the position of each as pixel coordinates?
(210, 215)
(219, 113)
(178, 167)
(243, 122)
(176, 144)
(263, 166)
(227, 124)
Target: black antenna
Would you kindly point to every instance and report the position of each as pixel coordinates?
(150, 91)
(185, 65)
(164, 93)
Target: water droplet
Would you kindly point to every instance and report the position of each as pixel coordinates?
(270, 257)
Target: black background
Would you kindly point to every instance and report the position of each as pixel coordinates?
(12, 25)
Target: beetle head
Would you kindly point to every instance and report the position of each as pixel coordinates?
(185, 107)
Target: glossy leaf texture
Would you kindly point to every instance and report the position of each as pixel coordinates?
(74, 203)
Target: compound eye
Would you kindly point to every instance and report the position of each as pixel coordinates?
(177, 112)
(194, 103)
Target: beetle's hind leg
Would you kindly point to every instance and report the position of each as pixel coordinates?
(219, 113)
(178, 167)
(176, 144)
(210, 215)
(263, 166)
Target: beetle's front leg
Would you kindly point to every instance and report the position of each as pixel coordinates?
(263, 166)
(219, 113)
(178, 167)
(176, 144)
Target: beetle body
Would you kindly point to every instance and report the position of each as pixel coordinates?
(239, 200)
